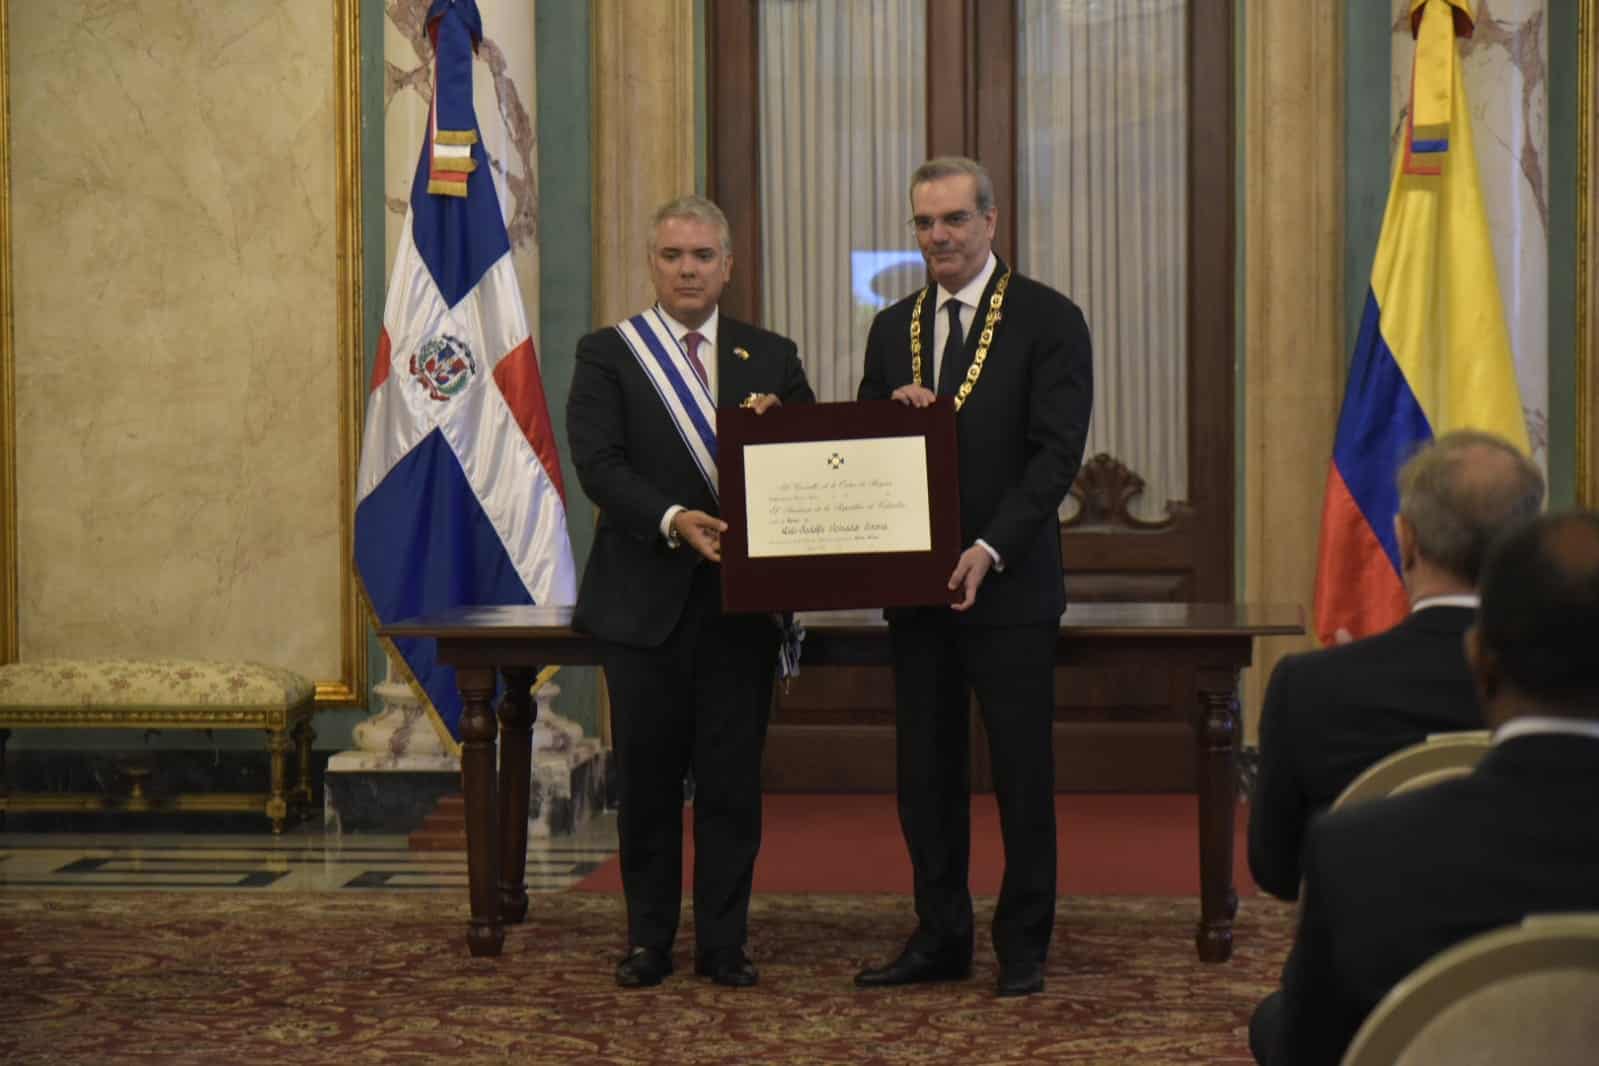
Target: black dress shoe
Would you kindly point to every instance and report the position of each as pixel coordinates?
(1021, 979)
(915, 967)
(643, 967)
(730, 967)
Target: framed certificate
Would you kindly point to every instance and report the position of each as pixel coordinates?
(838, 505)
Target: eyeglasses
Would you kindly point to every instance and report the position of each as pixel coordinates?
(953, 220)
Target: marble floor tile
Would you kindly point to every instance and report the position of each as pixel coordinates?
(303, 859)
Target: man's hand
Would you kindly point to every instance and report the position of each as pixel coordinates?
(914, 396)
(701, 531)
(763, 402)
(970, 569)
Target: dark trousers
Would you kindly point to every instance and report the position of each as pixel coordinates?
(1011, 669)
(698, 702)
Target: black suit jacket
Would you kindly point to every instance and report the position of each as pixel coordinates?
(633, 464)
(1020, 434)
(1330, 714)
(1391, 883)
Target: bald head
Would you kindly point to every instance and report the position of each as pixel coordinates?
(1538, 627)
(1461, 493)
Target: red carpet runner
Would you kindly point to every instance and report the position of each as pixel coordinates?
(1110, 845)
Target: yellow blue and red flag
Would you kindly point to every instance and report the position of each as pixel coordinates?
(1433, 353)
(459, 497)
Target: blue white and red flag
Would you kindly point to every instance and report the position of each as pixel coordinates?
(459, 498)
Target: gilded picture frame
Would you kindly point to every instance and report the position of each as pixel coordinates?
(350, 686)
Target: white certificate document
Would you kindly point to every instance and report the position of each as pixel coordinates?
(837, 497)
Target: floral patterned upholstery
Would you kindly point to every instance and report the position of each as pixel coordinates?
(150, 685)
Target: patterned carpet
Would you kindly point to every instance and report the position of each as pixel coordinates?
(233, 978)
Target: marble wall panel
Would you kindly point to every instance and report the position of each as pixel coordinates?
(1294, 348)
(644, 139)
(1505, 71)
(177, 409)
(503, 90)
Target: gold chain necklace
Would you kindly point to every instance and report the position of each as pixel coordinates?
(986, 338)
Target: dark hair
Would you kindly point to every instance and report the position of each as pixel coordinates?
(1540, 610)
(1462, 492)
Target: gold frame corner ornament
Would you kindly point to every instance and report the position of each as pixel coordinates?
(350, 688)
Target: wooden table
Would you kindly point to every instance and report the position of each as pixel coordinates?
(1212, 641)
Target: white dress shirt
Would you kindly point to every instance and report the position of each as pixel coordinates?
(1460, 599)
(1532, 724)
(969, 295)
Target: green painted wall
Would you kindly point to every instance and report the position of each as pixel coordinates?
(1561, 88)
(566, 269)
(1367, 49)
(334, 728)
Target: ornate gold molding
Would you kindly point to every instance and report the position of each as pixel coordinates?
(351, 685)
(1588, 255)
(8, 410)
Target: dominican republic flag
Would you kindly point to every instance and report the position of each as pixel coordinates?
(459, 497)
(1433, 353)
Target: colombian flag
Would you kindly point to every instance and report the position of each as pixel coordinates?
(1433, 352)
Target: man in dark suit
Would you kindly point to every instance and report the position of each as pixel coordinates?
(1391, 883)
(1330, 714)
(690, 686)
(1014, 357)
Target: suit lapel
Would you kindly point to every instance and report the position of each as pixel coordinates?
(731, 372)
(930, 354)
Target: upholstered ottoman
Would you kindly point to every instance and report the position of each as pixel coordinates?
(163, 694)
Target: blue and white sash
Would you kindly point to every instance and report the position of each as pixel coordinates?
(687, 399)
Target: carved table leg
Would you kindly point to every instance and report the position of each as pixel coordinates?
(277, 806)
(516, 760)
(485, 935)
(304, 735)
(1217, 727)
(5, 780)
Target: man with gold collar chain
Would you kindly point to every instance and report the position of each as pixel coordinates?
(690, 686)
(1014, 357)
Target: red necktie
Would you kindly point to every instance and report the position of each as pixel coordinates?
(691, 341)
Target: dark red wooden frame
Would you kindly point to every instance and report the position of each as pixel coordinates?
(836, 582)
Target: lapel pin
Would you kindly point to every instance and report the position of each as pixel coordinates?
(742, 353)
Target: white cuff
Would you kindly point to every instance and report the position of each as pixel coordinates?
(672, 539)
(999, 564)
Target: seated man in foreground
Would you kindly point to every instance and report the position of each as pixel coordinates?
(1330, 714)
(1390, 883)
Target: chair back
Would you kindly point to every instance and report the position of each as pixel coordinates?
(1526, 994)
(1438, 758)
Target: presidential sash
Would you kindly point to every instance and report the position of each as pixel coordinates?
(687, 399)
